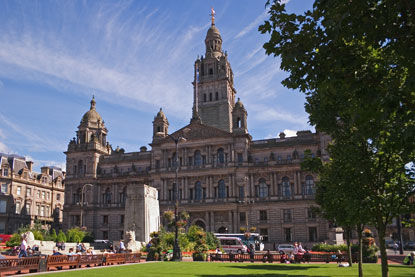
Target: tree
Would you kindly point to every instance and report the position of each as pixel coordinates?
(354, 61)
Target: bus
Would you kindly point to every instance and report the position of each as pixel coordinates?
(253, 238)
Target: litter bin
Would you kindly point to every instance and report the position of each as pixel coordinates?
(43, 263)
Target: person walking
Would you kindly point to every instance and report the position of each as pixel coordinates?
(122, 247)
(395, 247)
(251, 252)
(23, 248)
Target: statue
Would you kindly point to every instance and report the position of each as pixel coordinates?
(130, 242)
(29, 237)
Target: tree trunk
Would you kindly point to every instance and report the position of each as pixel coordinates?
(359, 233)
(349, 248)
(383, 256)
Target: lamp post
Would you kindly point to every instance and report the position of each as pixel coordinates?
(82, 201)
(177, 253)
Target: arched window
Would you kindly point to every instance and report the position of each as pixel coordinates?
(221, 156)
(263, 188)
(204, 97)
(309, 185)
(216, 96)
(198, 191)
(210, 97)
(198, 158)
(286, 191)
(210, 71)
(158, 129)
(221, 189)
(238, 122)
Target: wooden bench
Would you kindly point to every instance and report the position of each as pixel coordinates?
(118, 258)
(244, 257)
(132, 257)
(59, 261)
(90, 259)
(19, 264)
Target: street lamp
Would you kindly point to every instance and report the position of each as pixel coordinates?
(177, 253)
(82, 200)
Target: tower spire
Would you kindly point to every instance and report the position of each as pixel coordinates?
(212, 14)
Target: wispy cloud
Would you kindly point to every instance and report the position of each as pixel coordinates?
(4, 148)
(254, 24)
(31, 139)
(263, 113)
(290, 133)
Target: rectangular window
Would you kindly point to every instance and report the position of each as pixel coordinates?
(28, 211)
(48, 195)
(312, 233)
(264, 234)
(38, 194)
(3, 188)
(287, 215)
(157, 164)
(38, 209)
(18, 207)
(263, 215)
(28, 192)
(19, 190)
(5, 172)
(203, 159)
(240, 158)
(3, 204)
(2, 227)
(242, 217)
(105, 219)
(287, 234)
(47, 211)
(122, 219)
(311, 214)
(190, 161)
(191, 194)
(43, 195)
(58, 196)
(42, 210)
(241, 192)
(104, 234)
(121, 235)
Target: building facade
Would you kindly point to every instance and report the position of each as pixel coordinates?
(227, 181)
(27, 197)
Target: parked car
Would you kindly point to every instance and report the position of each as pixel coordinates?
(389, 244)
(286, 248)
(410, 245)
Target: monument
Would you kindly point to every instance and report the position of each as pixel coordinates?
(142, 215)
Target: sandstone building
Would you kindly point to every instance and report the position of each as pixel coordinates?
(27, 196)
(227, 180)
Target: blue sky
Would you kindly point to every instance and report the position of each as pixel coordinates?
(135, 57)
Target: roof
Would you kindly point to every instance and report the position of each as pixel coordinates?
(197, 130)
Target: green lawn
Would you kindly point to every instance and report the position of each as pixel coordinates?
(236, 269)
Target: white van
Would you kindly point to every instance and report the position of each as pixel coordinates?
(233, 244)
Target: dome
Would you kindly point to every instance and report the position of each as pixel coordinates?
(161, 114)
(92, 115)
(213, 31)
(239, 104)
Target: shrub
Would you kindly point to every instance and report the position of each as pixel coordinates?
(61, 236)
(52, 235)
(321, 247)
(75, 235)
(15, 240)
(89, 237)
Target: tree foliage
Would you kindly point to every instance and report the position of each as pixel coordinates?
(354, 61)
